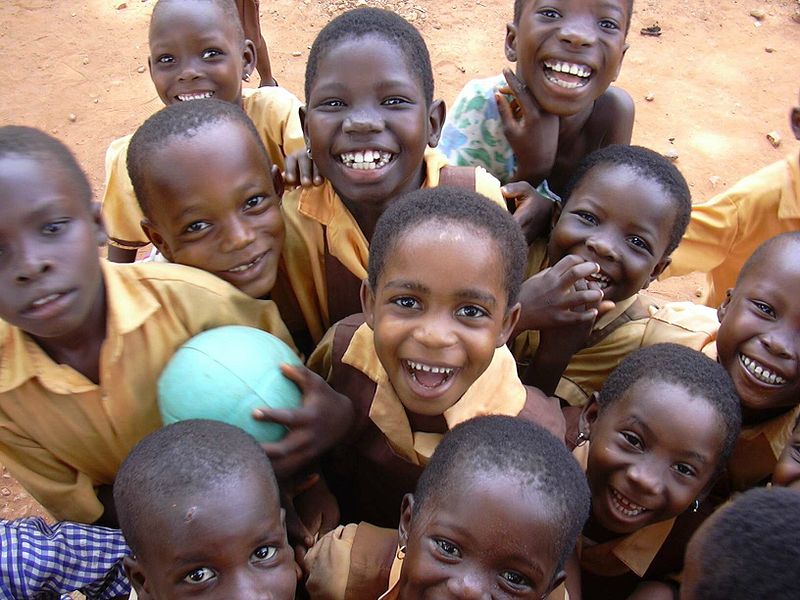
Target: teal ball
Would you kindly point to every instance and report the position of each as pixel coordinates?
(223, 374)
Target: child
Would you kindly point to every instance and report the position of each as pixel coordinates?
(495, 514)
(73, 326)
(652, 443)
(561, 108)
(787, 469)
(725, 230)
(746, 550)
(197, 50)
(757, 339)
(199, 507)
(251, 24)
(369, 118)
(429, 351)
(624, 211)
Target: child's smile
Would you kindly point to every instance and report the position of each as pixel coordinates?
(429, 380)
(566, 74)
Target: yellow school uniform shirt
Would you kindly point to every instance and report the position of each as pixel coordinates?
(759, 446)
(317, 216)
(61, 435)
(725, 230)
(274, 111)
(498, 391)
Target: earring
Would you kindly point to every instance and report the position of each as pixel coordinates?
(582, 438)
(401, 552)
(246, 77)
(695, 506)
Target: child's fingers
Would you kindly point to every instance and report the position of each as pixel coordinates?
(300, 375)
(517, 189)
(507, 117)
(522, 96)
(605, 306)
(289, 418)
(317, 176)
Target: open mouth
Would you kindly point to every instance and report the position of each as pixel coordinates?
(246, 266)
(567, 75)
(601, 279)
(760, 372)
(625, 506)
(429, 376)
(194, 96)
(366, 159)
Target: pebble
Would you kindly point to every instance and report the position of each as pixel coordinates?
(758, 14)
(121, 6)
(96, 100)
(141, 69)
(774, 138)
(86, 60)
(715, 180)
(5, 491)
(297, 53)
(769, 49)
(671, 154)
(650, 97)
(72, 117)
(698, 293)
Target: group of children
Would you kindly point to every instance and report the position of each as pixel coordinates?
(462, 337)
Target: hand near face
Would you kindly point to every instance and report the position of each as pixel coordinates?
(533, 211)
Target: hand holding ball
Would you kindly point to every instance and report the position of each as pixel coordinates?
(224, 374)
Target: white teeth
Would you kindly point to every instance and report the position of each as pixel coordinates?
(570, 68)
(415, 366)
(45, 300)
(625, 506)
(366, 159)
(602, 280)
(760, 372)
(244, 267)
(194, 96)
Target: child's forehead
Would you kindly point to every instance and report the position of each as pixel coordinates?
(201, 18)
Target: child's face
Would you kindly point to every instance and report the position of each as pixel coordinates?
(787, 471)
(438, 314)
(620, 221)
(194, 54)
(367, 123)
(228, 543)
(653, 453)
(216, 207)
(50, 280)
(758, 341)
(493, 538)
(568, 51)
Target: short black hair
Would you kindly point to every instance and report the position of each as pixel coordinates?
(519, 4)
(29, 142)
(450, 205)
(180, 120)
(363, 22)
(227, 8)
(650, 165)
(515, 447)
(750, 549)
(180, 460)
(692, 370)
(757, 257)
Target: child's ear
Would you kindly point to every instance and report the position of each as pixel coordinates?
(436, 115)
(509, 322)
(621, 59)
(558, 208)
(249, 58)
(100, 227)
(156, 238)
(557, 580)
(589, 414)
(657, 270)
(303, 124)
(298, 570)
(794, 118)
(136, 576)
(368, 303)
(277, 181)
(511, 42)
(406, 515)
(723, 308)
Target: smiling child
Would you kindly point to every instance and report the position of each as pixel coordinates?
(197, 50)
(537, 125)
(369, 121)
(429, 351)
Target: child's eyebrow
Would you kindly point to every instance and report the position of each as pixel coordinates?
(406, 284)
(473, 294)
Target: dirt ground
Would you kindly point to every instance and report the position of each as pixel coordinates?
(711, 87)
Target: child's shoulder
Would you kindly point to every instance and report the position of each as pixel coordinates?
(611, 121)
(268, 97)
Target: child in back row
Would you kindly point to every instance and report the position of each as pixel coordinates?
(652, 442)
(197, 50)
(561, 108)
(429, 351)
(495, 514)
(624, 212)
(755, 335)
(71, 406)
(369, 120)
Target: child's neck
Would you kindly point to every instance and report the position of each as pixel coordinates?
(570, 126)
(751, 418)
(427, 423)
(81, 349)
(597, 533)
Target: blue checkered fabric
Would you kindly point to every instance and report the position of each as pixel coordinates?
(46, 562)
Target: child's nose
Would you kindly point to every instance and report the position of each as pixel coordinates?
(779, 342)
(433, 331)
(469, 585)
(647, 477)
(31, 266)
(363, 120)
(579, 31)
(189, 71)
(602, 245)
(238, 235)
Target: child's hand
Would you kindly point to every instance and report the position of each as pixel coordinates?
(301, 171)
(324, 419)
(554, 297)
(533, 211)
(300, 537)
(531, 132)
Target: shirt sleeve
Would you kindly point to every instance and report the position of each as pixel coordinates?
(121, 213)
(43, 561)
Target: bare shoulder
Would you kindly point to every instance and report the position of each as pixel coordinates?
(612, 118)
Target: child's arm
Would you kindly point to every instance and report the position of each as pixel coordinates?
(545, 411)
(531, 132)
(613, 112)
(323, 421)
